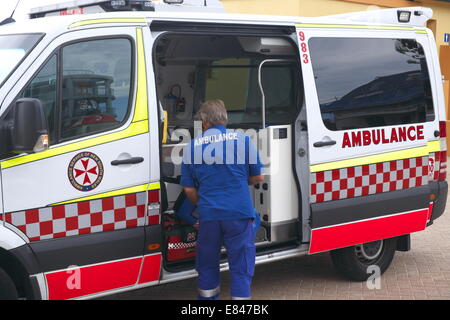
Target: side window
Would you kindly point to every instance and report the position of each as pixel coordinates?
(96, 86)
(235, 81)
(365, 83)
(228, 79)
(43, 87)
(278, 87)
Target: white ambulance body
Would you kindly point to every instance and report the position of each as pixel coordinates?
(347, 113)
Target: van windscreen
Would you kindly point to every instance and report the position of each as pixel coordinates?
(13, 49)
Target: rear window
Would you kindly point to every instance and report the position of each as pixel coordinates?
(228, 79)
(364, 83)
(235, 81)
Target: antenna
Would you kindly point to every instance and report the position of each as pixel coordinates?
(14, 11)
(10, 19)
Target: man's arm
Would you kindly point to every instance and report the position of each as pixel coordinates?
(255, 179)
(187, 175)
(191, 193)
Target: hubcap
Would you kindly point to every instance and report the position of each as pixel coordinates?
(369, 251)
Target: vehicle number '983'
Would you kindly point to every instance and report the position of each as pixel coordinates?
(303, 47)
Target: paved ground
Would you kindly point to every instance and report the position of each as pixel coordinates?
(422, 273)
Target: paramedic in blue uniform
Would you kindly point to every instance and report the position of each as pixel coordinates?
(218, 166)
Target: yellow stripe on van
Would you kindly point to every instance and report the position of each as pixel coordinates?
(108, 20)
(432, 146)
(141, 111)
(134, 129)
(352, 26)
(139, 125)
(119, 192)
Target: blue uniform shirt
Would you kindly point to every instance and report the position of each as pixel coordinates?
(219, 163)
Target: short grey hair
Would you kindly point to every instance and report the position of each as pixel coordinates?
(213, 112)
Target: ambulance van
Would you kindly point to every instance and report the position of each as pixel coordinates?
(98, 99)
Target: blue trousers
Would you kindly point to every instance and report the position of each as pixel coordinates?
(238, 238)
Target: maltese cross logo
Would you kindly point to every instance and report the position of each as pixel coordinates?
(82, 174)
(85, 171)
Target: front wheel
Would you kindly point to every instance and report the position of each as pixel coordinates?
(8, 289)
(354, 262)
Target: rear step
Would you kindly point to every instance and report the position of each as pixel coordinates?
(179, 266)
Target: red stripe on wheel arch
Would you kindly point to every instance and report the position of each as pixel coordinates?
(72, 283)
(349, 234)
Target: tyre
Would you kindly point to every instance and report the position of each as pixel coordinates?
(8, 289)
(354, 262)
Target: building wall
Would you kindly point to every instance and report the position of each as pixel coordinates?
(441, 13)
(312, 8)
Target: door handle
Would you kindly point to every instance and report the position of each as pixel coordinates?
(319, 144)
(133, 160)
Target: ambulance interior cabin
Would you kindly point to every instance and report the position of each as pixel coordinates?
(250, 74)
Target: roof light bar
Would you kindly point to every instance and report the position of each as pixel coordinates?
(117, 4)
(100, 6)
(132, 5)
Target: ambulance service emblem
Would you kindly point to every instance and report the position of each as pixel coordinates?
(85, 171)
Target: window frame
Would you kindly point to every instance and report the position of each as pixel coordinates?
(59, 72)
(131, 96)
(252, 72)
(434, 107)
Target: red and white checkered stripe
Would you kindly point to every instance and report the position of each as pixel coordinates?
(181, 245)
(368, 179)
(154, 216)
(439, 159)
(107, 214)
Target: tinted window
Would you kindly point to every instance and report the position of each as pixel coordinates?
(371, 82)
(277, 82)
(279, 85)
(96, 86)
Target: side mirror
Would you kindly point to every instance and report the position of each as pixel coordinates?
(29, 131)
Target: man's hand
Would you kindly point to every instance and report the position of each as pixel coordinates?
(191, 193)
(255, 179)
